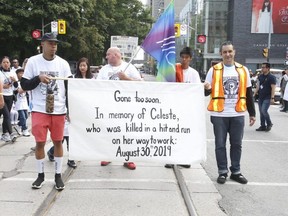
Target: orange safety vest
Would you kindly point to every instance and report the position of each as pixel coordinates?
(217, 95)
(179, 73)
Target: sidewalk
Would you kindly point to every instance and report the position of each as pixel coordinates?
(94, 190)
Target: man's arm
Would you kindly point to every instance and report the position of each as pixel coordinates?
(30, 84)
(250, 106)
(27, 84)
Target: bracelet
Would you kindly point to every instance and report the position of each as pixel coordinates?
(1, 93)
(272, 98)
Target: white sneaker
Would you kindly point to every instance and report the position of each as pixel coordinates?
(26, 133)
(6, 137)
(18, 129)
(13, 137)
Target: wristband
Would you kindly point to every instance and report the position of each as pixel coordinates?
(272, 98)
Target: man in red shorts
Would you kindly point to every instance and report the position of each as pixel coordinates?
(48, 104)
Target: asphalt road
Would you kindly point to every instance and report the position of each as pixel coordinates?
(264, 163)
(151, 189)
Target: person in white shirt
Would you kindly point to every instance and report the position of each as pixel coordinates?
(186, 74)
(9, 80)
(231, 95)
(117, 69)
(15, 65)
(48, 103)
(21, 105)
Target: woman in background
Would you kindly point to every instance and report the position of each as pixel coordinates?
(265, 18)
(83, 69)
(9, 80)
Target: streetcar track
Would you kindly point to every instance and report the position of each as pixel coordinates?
(185, 192)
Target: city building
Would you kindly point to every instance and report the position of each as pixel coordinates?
(221, 20)
(237, 21)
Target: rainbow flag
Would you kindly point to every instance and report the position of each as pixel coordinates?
(160, 44)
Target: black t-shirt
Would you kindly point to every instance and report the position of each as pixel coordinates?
(265, 82)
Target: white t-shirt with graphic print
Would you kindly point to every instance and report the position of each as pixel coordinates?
(57, 67)
(109, 72)
(231, 86)
(5, 77)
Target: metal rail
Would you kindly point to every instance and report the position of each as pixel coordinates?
(185, 193)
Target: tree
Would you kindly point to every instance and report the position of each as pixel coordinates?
(90, 24)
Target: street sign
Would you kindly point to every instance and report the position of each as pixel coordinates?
(183, 30)
(126, 44)
(201, 38)
(54, 27)
(36, 34)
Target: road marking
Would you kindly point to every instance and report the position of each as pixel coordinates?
(100, 180)
(258, 141)
(272, 184)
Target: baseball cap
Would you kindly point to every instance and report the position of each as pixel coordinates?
(50, 37)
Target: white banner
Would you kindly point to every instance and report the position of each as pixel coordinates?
(137, 121)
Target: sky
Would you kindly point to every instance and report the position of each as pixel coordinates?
(143, 1)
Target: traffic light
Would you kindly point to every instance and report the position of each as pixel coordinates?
(201, 39)
(61, 27)
(177, 29)
(265, 52)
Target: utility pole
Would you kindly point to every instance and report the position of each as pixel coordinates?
(269, 35)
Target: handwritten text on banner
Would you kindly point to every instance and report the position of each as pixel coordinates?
(137, 121)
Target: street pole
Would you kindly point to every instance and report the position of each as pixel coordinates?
(196, 22)
(269, 35)
(206, 33)
(188, 30)
(43, 26)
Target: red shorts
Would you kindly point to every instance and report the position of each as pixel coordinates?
(41, 122)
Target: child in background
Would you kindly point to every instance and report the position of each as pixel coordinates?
(50, 153)
(21, 106)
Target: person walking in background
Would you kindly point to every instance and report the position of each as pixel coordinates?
(48, 104)
(285, 91)
(115, 70)
(82, 72)
(186, 74)
(21, 105)
(9, 80)
(266, 90)
(231, 94)
(15, 65)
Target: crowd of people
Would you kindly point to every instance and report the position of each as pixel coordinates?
(35, 88)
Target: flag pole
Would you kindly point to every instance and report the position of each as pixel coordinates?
(132, 59)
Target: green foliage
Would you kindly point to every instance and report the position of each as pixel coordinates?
(90, 24)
